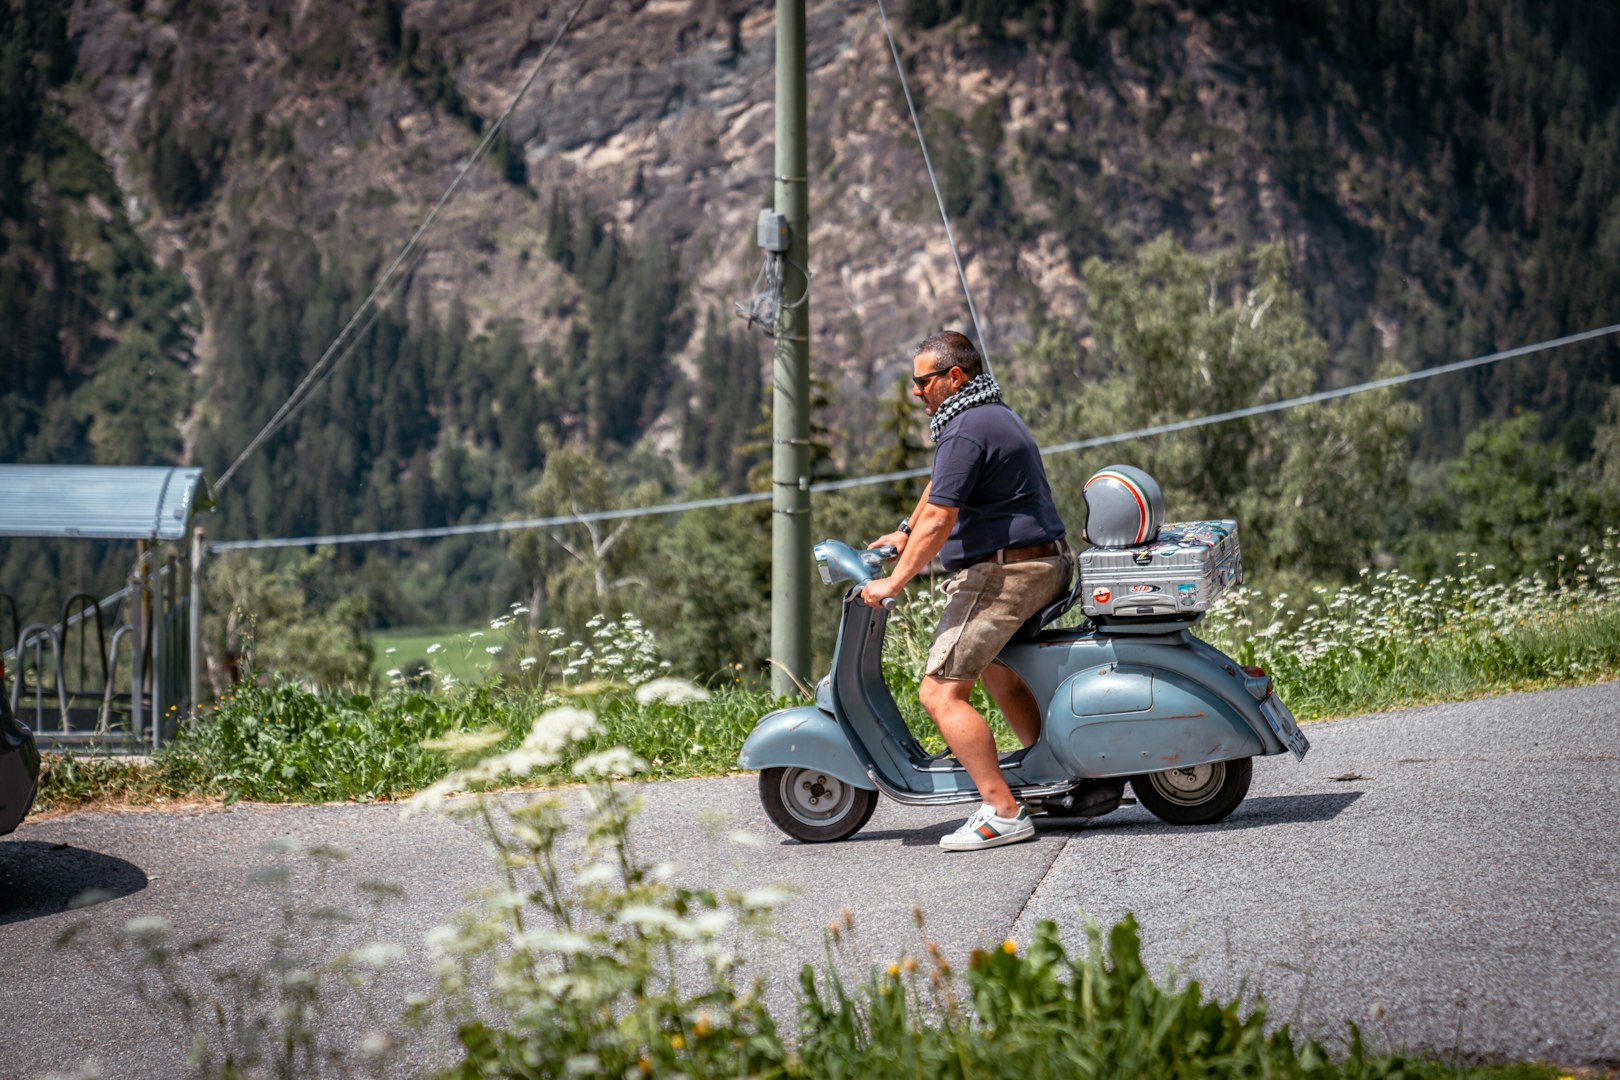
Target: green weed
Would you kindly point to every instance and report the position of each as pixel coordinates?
(1391, 640)
(1385, 642)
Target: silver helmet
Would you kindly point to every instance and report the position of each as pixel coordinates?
(1124, 507)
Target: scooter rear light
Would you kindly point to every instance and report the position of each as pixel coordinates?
(1260, 690)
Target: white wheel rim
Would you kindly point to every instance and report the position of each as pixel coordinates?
(1191, 786)
(814, 797)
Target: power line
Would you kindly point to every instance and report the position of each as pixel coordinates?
(984, 346)
(389, 281)
(908, 474)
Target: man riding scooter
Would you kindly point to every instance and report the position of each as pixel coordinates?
(987, 513)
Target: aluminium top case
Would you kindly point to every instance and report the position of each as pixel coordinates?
(1181, 572)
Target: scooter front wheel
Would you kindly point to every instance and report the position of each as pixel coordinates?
(1199, 795)
(813, 806)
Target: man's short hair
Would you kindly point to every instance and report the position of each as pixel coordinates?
(952, 349)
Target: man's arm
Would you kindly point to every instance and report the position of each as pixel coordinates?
(897, 539)
(931, 526)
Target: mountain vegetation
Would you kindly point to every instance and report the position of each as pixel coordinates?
(1173, 208)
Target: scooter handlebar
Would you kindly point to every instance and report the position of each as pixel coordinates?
(837, 561)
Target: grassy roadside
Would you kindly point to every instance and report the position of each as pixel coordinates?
(1383, 643)
(1035, 1009)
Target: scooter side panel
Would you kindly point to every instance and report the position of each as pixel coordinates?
(803, 737)
(1178, 729)
(1119, 706)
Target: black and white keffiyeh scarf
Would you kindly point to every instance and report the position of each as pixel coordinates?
(982, 389)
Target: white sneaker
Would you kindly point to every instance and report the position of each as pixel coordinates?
(985, 829)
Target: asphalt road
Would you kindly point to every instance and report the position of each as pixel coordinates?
(1448, 878)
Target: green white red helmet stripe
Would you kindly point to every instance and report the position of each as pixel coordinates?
(1136, 493)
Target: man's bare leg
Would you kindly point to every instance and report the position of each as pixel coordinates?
(1017, 704)
(968, 736)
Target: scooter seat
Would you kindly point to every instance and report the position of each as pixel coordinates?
(1049, 614)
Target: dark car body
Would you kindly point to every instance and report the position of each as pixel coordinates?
(19, 764)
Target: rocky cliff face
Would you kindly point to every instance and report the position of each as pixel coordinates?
(308, 117)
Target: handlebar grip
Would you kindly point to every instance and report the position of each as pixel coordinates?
(887, 603)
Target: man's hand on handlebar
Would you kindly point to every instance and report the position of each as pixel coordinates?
(896, 540)
(874, 592)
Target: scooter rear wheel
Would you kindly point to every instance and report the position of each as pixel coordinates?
(1199, 795)
(813, 806)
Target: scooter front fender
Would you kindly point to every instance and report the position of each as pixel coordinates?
(803, 737)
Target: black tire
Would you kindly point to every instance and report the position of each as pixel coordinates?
(1200, 795)
(814, 806)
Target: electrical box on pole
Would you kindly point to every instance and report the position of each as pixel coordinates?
(774, 234)
(785, 232)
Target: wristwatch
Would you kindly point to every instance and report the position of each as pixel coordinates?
(905, 526)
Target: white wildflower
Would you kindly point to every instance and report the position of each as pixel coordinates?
(465, 742)
(430, 797)
(763, 899)
(298, 979)
(647, 916)
(671, 692)
(509, 900)
(556, 941)
(556, 728)
(595, 874)
(375, 1045)
(433, 648)
(445, 939)
(616, 761)
(147, 927)
(711, 923)
(376, 955)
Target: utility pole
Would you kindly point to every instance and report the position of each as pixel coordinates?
(194, 622)
(790, 363)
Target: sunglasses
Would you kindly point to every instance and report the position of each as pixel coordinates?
(922, 380)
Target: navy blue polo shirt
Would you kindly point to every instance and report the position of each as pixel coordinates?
(988, 467)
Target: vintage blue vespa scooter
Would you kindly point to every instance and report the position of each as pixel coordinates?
(1137, 699)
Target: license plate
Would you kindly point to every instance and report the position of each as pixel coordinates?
(1282, 722)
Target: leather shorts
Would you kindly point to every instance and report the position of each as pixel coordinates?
(985, 605)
